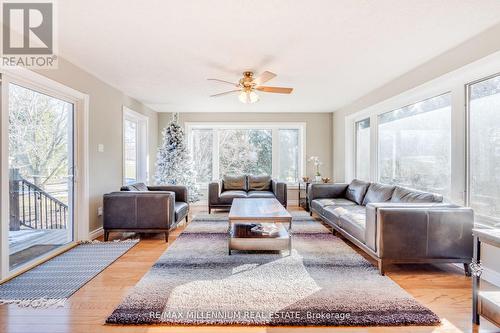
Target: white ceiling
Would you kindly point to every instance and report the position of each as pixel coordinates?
(332, 52)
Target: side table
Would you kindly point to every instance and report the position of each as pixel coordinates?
(302, 194)
(484, 303)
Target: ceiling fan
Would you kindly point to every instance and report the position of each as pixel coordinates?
(247, 85)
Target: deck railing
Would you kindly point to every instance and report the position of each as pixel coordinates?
(32, 207)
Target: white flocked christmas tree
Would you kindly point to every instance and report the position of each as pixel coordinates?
(174, 164)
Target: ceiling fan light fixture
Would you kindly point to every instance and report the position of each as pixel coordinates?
(249, 97)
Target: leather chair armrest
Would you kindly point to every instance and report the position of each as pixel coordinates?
(423, 232)
(280, 190)
(181, 191)
(214, 189)
(318, 191)
(136, 210)
(371, 230)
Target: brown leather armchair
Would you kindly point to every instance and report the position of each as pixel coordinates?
(141, 208)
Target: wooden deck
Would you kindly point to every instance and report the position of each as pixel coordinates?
(26, 238)
(442, 288)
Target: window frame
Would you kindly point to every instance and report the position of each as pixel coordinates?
(273, 126)
(142, 151)
(356, 145)
(454, 82)
(377, 177)
(468, 173)
(399, 102)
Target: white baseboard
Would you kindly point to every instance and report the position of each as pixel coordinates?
(96, 233)
(488, 275)
(292, 202)
(491, 276)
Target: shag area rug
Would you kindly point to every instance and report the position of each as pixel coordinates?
(322, 283)
(52, 282)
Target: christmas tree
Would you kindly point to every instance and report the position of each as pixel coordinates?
(174, 164)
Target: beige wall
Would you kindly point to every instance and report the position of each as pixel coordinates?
(318, 130)
(105, 119)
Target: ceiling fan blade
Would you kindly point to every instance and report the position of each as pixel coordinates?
(224, 81)
(279, 90)
(264, 77)
(225, 93)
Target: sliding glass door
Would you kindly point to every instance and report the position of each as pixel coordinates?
(40, 170)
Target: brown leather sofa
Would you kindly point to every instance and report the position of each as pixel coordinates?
(141, 208)
(394, 224)
(222, 193)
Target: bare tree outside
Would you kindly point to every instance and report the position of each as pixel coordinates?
(38, 136)
(245, 151)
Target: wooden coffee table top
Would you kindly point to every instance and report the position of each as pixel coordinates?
(255, 209)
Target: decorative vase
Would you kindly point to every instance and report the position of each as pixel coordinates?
(317, 178)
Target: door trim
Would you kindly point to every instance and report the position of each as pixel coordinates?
(80, 101)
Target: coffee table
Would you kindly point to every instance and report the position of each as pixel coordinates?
(245, 213)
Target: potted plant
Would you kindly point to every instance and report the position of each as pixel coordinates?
(317, 163)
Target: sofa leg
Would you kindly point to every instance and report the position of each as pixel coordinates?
(467, 269)
(310, 213)
(186, 219)
(106, 235)
(166, 237)
(381, 267)
(209, 210)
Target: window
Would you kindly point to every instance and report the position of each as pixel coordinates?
(202, 145)
(245, 151)
(484, 150)
(135, 147)
(289, 155)
(130, 142)
(362, 159)
(414, 145)
(271, 149)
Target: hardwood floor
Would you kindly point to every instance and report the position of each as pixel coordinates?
(443, 288)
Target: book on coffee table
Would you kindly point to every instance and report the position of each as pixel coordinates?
(270, 229)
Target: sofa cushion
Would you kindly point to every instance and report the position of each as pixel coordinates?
(141, 187)
(261, 194)
(353, 221)
(227, 197)
(332, 214)
(181, 209)
(259, 183)
(320, 204)
(135, 187)
(234, 183)
(402, 194)
(356, 191)
(378, 193)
